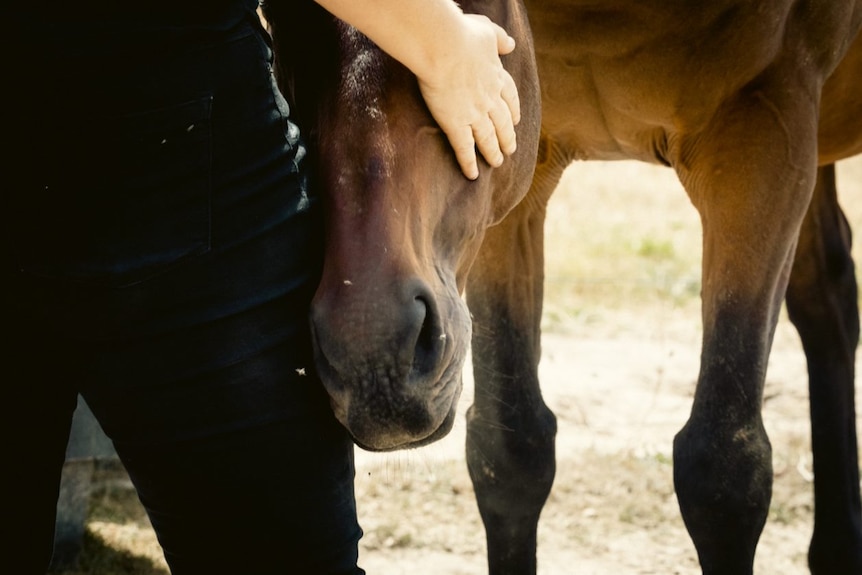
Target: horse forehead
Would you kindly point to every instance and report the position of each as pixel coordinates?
(362, 80)
(362, 116)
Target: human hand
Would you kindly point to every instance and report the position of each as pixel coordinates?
(471, 96)
(456, 58)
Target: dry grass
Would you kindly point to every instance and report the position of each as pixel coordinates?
(623, 236)
(619, 235)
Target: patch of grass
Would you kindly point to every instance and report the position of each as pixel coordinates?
(388, 535)
(102, 557)
(624, 235)
(414, 504)
(631, 240)
(115, 504)
(658, 249)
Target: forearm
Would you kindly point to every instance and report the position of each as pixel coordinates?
(421, 34)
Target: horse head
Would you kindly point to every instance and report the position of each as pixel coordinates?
(403, 225)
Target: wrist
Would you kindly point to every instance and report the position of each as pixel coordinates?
(424, 35)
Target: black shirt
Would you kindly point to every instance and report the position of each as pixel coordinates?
(206, 14)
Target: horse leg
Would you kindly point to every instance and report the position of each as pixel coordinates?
(822, 303)
(750, 174)
(510, 430)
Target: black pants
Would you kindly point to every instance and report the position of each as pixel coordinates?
(160, 252)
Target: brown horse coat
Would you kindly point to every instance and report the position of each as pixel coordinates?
(751, 103)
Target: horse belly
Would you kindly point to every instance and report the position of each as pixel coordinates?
(840, 133)
(620, 77)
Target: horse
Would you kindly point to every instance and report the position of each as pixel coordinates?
(750, 103)
(390, 329)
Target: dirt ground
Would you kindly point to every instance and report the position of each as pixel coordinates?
(619, 396)
(619, 399)
(620, 383)
(620, 380)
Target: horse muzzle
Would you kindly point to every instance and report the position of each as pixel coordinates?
(391, 360)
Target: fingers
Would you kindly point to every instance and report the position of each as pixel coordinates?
(505, 43)
(461, 140)
(506, 114)
(493, 135)
(509, 93)
(492, 138)
(485, 132)
(504, 136)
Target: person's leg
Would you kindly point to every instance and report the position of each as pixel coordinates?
(276, 499)
(39, 375)
(180, 251)
(223, 425)
(36, 421)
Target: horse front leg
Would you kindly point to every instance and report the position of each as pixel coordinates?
(822, 303)
(510, 430)
(750, 175)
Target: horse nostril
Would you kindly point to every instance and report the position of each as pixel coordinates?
(431, 339)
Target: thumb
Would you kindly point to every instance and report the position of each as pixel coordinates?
(505, 43)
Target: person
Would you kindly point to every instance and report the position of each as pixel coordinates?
(161, 247)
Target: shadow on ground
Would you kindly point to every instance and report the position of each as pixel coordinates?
(99, 557)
